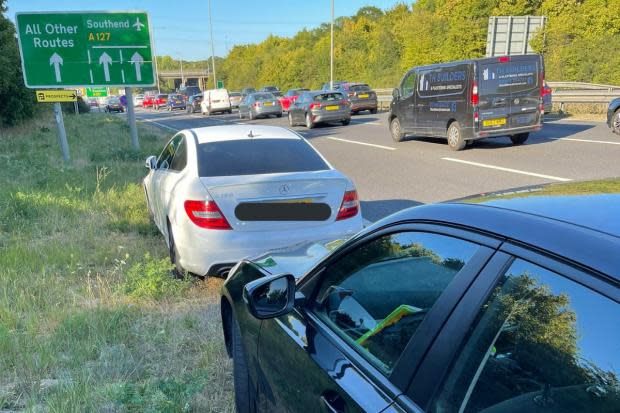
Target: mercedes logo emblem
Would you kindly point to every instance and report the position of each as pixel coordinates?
(517, 101)
(284, 189)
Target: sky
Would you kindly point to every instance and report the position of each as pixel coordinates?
(181, 27)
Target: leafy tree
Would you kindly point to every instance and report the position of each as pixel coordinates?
(16, 101)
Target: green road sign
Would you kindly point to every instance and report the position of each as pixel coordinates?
(96, 92)
(73, 49)
(220, 84)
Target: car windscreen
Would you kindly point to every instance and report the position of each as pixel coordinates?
(234, 94)
(328, 97)
(162, 96)
(498, 78)
(359, 88)
(257, 156)
(113, 101)
(264, 96)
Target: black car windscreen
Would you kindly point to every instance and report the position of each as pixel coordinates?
(257, 156)
(509, 77)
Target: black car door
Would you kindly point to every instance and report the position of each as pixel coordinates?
(297, 108)
(344, 349)
(531, 334)
(404, 108)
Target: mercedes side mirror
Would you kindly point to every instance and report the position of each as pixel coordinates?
(151, 162)
(396, 94)
(271, 296)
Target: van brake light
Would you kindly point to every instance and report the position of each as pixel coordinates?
(474, 94)
(504, 59)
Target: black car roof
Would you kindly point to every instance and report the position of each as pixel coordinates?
(584, 229)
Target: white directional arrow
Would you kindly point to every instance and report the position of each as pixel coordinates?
(137, 61)
(56, 60)
(105, 60)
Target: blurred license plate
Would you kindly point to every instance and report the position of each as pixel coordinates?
(494, 122)
(364, 96)
(268, 103)
(335, 107)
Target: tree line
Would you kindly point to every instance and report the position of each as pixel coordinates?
(580, 42)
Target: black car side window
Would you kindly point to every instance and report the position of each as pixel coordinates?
(180, 156)
(541, 343)
(408, 85)
(376, 296)
(165, 158)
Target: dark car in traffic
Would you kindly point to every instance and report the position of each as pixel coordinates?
(470, 99)
(502, 304)
(319, 106)
(259, 104)
(290, 96)
(360, 96)
(613, 116)
(247, 91)
(113, 104)
(271, 89)
(176, 101)
(327, 86)
(193, 103)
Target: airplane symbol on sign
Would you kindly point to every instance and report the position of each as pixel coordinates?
(138, 25)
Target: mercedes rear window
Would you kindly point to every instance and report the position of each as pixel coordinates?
(257, 156)
(328, 97)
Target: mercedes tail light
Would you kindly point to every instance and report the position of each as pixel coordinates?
(350, 205)
(206, 214)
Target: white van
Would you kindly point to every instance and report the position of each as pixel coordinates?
(215, 100)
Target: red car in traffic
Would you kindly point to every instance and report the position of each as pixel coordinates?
(290, 97)
(148, 101)
(160, 101)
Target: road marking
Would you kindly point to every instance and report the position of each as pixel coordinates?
(584, 140)
(159, 124)
(389, 148)
(357, 122)
(515, 171)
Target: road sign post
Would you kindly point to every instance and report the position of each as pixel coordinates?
(131, 118)
(86, 49)
(62, 135)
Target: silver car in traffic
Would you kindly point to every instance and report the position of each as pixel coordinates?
(259, 104)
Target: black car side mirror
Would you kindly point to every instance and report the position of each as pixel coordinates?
(396, 94)
(270, 297)
(151, 162)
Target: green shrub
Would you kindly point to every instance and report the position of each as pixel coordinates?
(152, 278)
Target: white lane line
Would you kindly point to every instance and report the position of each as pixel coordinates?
(584, 140)
(357, 122)
(514, 171)
(159, 124)
(389, 148)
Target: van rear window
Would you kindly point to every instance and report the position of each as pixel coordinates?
(257, 156)
(510, 77)
(443, 81)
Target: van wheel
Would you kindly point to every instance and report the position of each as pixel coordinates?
(455, 137)
(519, 139)
(396, 130)
(309, 123)
(615, 123)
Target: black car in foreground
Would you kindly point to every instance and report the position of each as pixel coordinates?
(503, 304)
(613, 116)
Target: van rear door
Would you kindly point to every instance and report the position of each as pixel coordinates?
(509, 89)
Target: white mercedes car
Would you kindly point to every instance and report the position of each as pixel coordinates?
(222, 193)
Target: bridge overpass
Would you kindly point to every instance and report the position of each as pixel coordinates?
(190, 77)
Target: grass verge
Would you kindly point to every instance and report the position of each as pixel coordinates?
(89, 318)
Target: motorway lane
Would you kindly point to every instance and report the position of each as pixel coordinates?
(390, 176)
